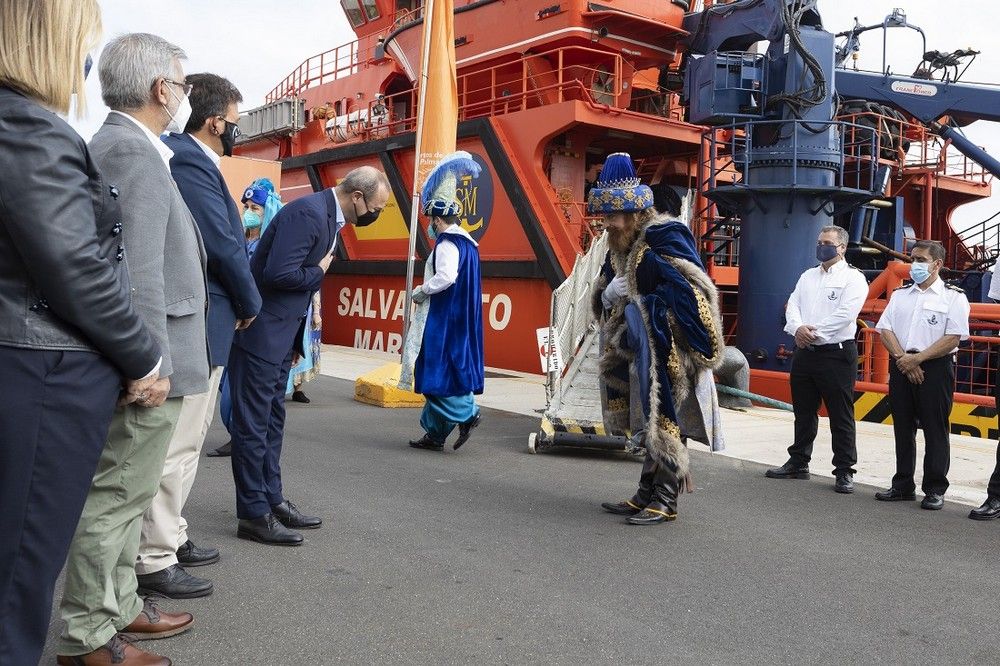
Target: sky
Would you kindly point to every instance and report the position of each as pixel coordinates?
(256, 43)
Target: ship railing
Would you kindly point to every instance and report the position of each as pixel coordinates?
(534, 80)
(982, 241)
(718, 230)
(975, 362)
(975, 365)
(912, 147)
(583, 226)
(572, 316)
(328, 66)
(406, 16)
(937, 155)
(537, 79)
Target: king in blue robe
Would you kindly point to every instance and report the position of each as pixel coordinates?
(662, 337)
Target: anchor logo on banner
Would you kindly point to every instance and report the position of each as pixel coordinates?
(476, 197)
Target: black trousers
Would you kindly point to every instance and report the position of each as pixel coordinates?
(827, 373)
(993, 489)
(54, 418)
(930, 403)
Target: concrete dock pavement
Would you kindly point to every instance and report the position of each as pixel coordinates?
(758, 435)
(489, 555)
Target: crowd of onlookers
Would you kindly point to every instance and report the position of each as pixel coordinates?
(132, 287)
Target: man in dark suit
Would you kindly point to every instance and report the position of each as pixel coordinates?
(288, 266)
(233, 303)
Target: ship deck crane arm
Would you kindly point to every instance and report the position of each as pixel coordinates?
(929, 102)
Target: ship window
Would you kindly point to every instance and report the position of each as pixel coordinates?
(371, 9)
(353, 10)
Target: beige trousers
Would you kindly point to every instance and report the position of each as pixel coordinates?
(164, 530)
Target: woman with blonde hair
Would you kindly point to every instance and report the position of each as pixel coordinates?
(71, 344)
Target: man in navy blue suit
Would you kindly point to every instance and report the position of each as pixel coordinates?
(288, 265)
(210, 133)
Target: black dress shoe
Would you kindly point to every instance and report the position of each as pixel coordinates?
(267, 529)
(291, 517)
(651, 516)
(223, 451)
(174, 583)
(789, 470)
(626, 508)
(990, 510)
(299, 396)
(844, 483)
(190, 555)
(895, 495)
(427, 442)
(465, 431)
(932, 502)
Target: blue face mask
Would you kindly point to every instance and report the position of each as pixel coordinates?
(432, 231)
(251, 219)
(919, 271)
(825, 252)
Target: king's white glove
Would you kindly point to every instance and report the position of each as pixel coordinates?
(419, 295)
(614, 292)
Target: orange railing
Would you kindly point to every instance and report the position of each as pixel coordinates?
(582, 225)
(534, 80)
(975, 366)
(323, 68)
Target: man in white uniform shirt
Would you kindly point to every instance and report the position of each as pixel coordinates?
(921, 327)
(990, 509)
(822, 315)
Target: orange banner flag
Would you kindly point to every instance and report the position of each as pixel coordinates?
(437, 121)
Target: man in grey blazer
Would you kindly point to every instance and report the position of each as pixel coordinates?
(142, 82)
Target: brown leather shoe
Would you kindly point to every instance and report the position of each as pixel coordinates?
(153, 623)
(116, 651)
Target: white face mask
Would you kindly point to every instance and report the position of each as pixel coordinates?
(179, 118)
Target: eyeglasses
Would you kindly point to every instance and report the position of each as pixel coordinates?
(186, 87)
(367, 207)
(236, 128)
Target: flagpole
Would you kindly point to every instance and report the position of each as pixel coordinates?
(415, 200)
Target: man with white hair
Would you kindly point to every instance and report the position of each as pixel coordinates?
(142, 81)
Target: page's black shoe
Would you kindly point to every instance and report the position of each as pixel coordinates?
(789, 470)
(427, 442)
(465, 431)
(268, 529)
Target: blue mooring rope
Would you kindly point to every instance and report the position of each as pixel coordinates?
(760, 399)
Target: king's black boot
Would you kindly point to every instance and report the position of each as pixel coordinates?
(632, 506)
(663, 505)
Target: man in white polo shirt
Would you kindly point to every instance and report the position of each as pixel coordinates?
(822, 315)
(921, 327)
